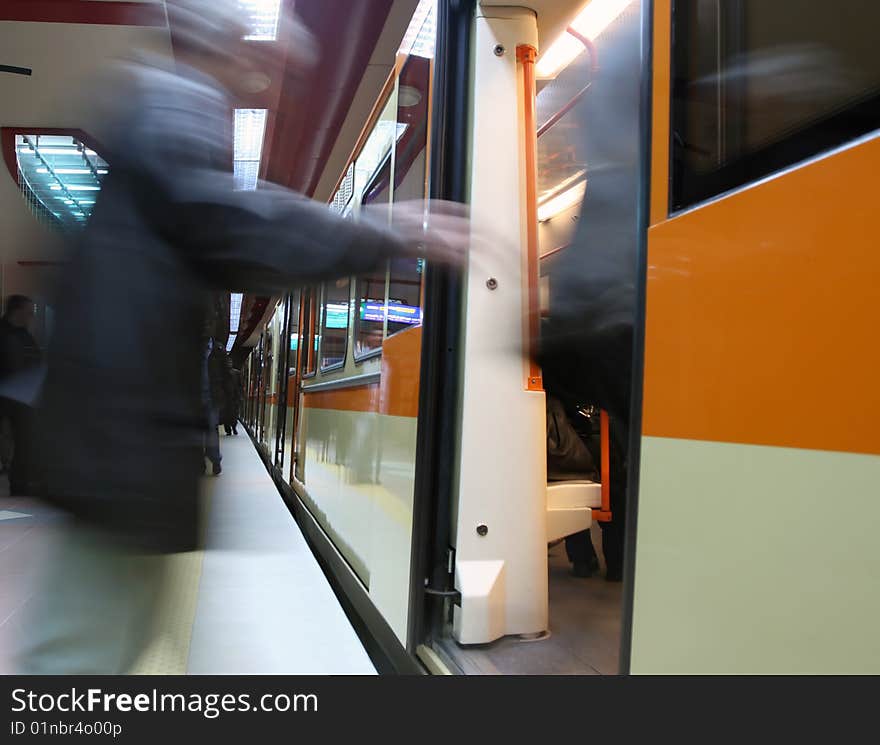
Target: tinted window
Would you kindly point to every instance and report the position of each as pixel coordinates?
(293, 338)
(404, 295)
(759, 85)
(308, 357)
(334, 323)
(370, 318)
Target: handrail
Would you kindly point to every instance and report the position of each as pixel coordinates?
(604, 515)
(554, 251)
(565, 109)
(594, 68)
(590, 46)
(526, 55)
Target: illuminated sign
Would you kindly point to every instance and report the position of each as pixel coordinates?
(336, 316)
(374, 310)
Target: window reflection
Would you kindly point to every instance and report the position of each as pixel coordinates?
(404, 295)
(761, 85)
(370, 314)
(334, 323)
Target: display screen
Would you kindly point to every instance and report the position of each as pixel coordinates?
(374, 310)
(336, 316)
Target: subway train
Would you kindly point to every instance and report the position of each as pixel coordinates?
(403, 416)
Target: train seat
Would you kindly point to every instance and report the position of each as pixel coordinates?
(570, 506)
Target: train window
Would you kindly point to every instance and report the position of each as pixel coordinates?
(759, 86)
(309, 337)
(404, 295)
(334, 323)
(293, 337)
(369, 315)
(373, 165)
(404, 308)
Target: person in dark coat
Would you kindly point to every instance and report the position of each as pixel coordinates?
(19, 352)
(231, 379)
(587, 343)
(233, 401)
(213, 393)
(121, 410)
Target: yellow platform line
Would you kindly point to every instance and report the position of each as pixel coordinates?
(168, 653)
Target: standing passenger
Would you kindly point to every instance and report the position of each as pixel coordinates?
(19, 352)
(230, 384)
(212, 400)
(233, 401)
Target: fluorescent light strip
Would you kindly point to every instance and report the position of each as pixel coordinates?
(51, 151)
(74, 171)
(420, 38)
(591, 22)
(250, 130)
(67, 171)
(562, 202)
(263, 17)
(235, 311)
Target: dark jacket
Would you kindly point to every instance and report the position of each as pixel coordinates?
(121, 410)
(18, 349)
(232, 394)
(568, 457)
(218, 377)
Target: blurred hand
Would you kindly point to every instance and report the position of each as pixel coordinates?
(435, 230)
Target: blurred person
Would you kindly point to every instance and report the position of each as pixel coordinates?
(587, 347)
(235, 395)
(121, 409)
(19, 352)
(587, 343)
(6, 444)
(231, 396)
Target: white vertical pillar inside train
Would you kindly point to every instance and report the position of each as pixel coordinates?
(500, 518)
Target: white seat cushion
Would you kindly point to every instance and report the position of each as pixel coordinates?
(573, 494)
(570, 506)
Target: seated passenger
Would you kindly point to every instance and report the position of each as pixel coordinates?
(569, 459)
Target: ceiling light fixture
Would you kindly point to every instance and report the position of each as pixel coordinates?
(590, 22)
(68, 171)
(263, 17)
(50, 151)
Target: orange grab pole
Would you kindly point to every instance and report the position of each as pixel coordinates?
(605, 445)
(526, 55)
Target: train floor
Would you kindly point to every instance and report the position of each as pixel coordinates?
(255, 601)
(584, 639)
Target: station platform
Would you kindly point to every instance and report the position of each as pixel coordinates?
(254, 602)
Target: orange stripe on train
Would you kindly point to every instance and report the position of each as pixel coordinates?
(762, 313)
(398, 392)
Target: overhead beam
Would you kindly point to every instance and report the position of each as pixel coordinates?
(84, 11)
